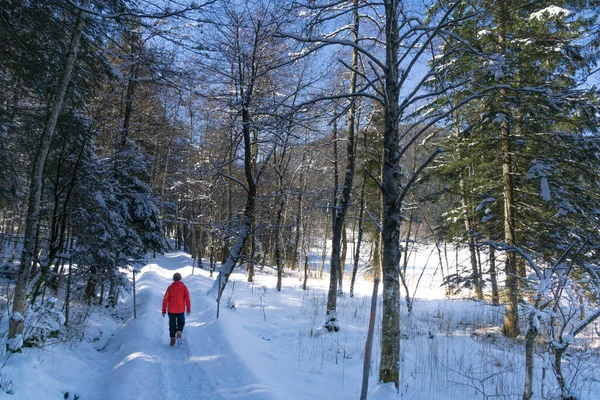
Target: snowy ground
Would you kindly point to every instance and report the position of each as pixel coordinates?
(265, 346)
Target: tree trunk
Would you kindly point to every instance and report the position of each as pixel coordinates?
(296, 251)
(90, 288)
(134, 296)
(529, 356)
(101, 299)
(324, 253)
(278, 261)
(344, 200)
(389, 369)
(557, 367)
(359, 238)
(68, 294)
(163, 187)
(494, 275)
(211, 267)
(252, 255)
(301, 252)
(342, 269)
(200, 250)
(376, 256)
(471, 241)
(252, 177)
(369, 342)
(511, 317)
(305, 249)
(35, 188)
(20, 229)
(302, 222)
(236, 249)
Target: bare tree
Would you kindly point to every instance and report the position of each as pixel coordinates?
(247, 43)
(393, 54)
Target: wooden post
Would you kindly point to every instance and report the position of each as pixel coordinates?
(134, 302)
(68, 295)
(369, 343)
(219, 296)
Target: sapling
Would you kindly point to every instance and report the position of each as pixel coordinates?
(553, 304)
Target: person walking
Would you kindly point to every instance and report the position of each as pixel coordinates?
(177, 302)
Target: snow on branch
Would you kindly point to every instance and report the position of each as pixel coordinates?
(550, 12)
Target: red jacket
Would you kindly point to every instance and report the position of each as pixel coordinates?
(177, 298)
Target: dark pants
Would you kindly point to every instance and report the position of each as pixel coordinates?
(176, 323)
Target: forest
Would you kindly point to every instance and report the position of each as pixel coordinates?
(252, 133)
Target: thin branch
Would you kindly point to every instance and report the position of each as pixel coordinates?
(138, 14)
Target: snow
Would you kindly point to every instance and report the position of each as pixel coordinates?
(496, 64)
(500, 118)
(545, 189)
(17, 316)
(484, 203)
(482, 33)
(265, 345)
(550, 12)
(542, 170)
(15, 342)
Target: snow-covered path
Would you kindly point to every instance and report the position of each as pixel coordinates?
(203, 367)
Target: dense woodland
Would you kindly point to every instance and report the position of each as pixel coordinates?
(254, 132)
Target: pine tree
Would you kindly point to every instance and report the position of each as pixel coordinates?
(531, 120)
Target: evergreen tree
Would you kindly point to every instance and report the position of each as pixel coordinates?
(532, 119)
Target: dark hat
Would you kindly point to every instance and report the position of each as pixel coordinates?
(176, 276)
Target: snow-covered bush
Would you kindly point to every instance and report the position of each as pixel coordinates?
(42, 322)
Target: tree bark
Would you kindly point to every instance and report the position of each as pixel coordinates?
(359, 238)
(344, 200)
(557, 367)
(369, 343)
(529, 356)
(471, 241)
(278, 260)
(376, 256)
(342, 269)
(494, 275)
(252, 256)
(296, 250)
(511, 317)
(324, 253)
(68, 293)
(211, 267)
(389, 369)
(305, 248)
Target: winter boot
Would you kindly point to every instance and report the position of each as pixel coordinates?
(178, 335)
(172, 341)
